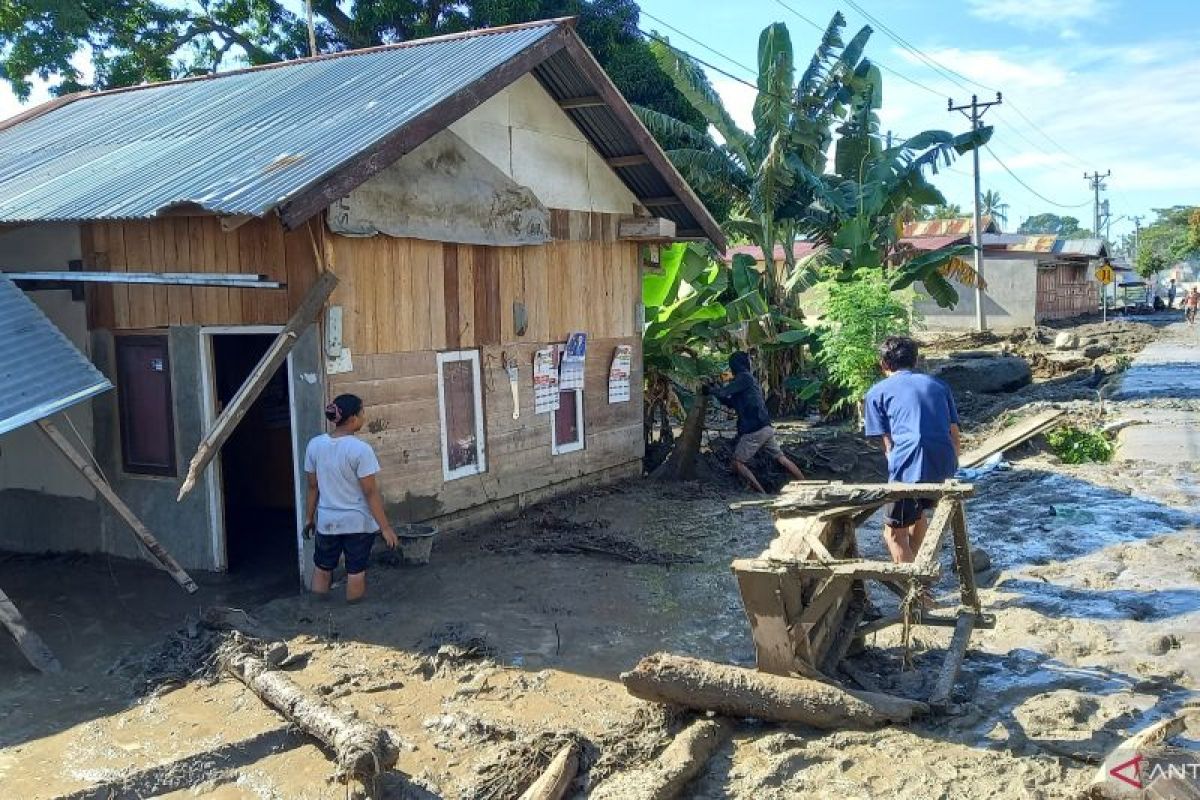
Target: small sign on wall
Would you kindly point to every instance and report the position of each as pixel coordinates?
(573, 359)
(545, 382)
(618, 374)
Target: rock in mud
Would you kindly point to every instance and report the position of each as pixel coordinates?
(986, 375)
(1160, 645)
(1066, 341)
(980, 560)
(1094, 351)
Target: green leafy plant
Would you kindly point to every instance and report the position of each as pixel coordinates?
(1078, 446)
(1122, 362)
(859, 314)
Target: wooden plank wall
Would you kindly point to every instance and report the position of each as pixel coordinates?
(1066, 290)
(404, 295)
(196, 244)
(404, 300)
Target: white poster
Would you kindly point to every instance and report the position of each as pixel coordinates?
(545, 381)
(618, 374)
(572, 368)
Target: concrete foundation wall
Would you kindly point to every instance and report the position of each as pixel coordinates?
(1010, 300)
(523, 132)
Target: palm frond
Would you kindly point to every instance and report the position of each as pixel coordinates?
(666, 127)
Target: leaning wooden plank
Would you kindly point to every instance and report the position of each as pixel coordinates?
(666, 778)
(810, 500)
(1011, 437)
(954, 658)
(963, 561)
(739, 692)
(554, 782)
(771, 599)
(258, 379)
(361, 750)
(28, 642)
(156, 550)
(925, 559)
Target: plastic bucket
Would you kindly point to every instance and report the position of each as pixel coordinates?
(416, 542)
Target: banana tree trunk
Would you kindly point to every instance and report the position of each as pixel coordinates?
(681, 463)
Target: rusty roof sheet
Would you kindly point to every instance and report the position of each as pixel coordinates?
(1047, 244)
(41, 371)
(945, 227)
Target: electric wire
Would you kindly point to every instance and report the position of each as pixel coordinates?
(1031, 190)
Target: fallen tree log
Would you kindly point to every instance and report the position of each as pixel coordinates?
(739, 692)
(361, 750)
(554, 782)
(682, 760)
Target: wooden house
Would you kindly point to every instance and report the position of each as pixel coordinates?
(479, 197)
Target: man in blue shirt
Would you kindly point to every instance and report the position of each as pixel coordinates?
(916, 416)
(744, 396)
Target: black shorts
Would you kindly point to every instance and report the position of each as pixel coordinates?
(903, 513)
(356, 546)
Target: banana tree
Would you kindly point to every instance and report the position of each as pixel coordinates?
(768, 175)
(868, 197)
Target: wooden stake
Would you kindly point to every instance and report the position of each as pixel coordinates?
(258, 379)
(30, 644)
(954, 658)
(156, 550)
(554, 782)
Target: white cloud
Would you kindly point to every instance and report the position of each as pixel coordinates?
(1037, 14)
(991, 68)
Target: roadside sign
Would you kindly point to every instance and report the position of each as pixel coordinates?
(1105, 274)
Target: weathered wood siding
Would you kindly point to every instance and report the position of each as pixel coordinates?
(196, 244)
(403, 300)
(1066, 290)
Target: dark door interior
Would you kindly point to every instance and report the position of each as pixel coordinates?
(257, 473)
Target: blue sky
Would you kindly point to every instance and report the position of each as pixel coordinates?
(1107, 85)
(1101, 84)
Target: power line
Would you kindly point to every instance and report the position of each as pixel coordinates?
(1031, 190)
(946, 72)
(877, 63)
(696, 41)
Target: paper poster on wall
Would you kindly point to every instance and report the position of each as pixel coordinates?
(573, 356)
(618, 374)
(545, 381)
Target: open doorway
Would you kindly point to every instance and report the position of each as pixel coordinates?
(257, 464)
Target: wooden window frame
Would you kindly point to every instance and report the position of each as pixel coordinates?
(571, 447)
(129, 467)
(480, 466)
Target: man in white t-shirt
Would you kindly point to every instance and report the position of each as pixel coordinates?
(344, 505)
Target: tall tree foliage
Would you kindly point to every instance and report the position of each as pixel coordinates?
(127, 42)
(1053, 224)
(1174, 236)
(991, 205)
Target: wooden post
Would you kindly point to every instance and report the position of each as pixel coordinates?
(955, 654)
(29, 643)
(156, 550)
(258, 379)
(962, 559)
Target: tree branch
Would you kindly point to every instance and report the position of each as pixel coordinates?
(343, 24)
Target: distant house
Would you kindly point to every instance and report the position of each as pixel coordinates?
(479, 196)
(1030, 280)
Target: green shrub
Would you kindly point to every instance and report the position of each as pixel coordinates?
(859, 315)
(1076, 446)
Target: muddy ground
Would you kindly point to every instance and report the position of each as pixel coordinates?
(512, 638)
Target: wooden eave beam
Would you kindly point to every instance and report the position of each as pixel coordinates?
(365, 165)
(589, 101)
(658, 202)
(619, 107)
(618, 162)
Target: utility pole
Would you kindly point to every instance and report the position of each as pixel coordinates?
(975, 112)
(1096, 181)
(1137, 237)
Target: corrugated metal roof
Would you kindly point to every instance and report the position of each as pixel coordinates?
(1048, 244)
(804, 249)
(41, 372)
(237, 143)
(248, 141)
(946, 227)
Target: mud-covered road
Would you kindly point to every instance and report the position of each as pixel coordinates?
(1094, 581)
